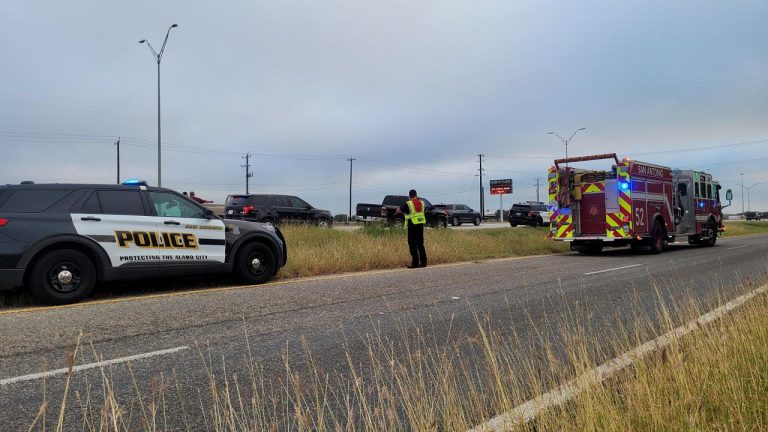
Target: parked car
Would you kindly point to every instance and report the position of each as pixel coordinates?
(460, 213)
(386, 211)
(275, 209)
(751, 215)
(530, 213)
(60, 240)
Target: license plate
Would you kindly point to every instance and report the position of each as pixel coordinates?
(230, 212)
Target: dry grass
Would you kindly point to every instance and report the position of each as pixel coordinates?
(715, 379)
(313, 251)
(733, 229)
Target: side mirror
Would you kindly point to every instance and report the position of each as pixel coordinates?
(729, 195)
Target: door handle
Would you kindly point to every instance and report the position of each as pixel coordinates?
(90, 218)
(171, 223)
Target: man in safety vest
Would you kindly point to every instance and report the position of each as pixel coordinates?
(415, 220)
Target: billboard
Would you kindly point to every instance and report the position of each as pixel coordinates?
(501, 187)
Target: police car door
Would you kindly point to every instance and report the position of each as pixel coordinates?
(185, 233)
(119, 221)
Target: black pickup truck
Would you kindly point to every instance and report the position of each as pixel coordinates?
(386, 211)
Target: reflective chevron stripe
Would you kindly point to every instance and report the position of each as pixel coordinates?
(589, 188)
(614, 222)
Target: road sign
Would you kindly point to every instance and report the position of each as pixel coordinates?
(501, 187)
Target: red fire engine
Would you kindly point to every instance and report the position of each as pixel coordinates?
(634, 203)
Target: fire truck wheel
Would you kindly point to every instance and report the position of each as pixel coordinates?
(711, 232)
(657, 238)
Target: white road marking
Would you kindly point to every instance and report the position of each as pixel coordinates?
(528, 411)
(612, 269)
(77, 368)
(455, 298)
(735, 247)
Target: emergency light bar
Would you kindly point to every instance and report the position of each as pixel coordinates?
(134, 182)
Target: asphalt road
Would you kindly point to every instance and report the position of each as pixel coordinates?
(512, 293)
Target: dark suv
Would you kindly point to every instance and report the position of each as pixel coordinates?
(530, 213)
(274, 209)
(460, 213)
(59, 240)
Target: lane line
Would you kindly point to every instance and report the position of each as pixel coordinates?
(78, 368)
(612, 269)
(529, 410)
(735, 247)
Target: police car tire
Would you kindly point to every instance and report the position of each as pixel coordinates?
(245, 257)
(41, 279)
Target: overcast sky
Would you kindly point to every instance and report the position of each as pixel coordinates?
(414, 90)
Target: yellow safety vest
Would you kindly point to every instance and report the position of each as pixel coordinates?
(415, 217)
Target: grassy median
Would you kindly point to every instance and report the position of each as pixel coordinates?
(738, 228)
(313, 251)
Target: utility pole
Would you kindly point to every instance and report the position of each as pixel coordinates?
(537, 189)
(482, 198)
(248, 172)
(349, 216)
(117, 143)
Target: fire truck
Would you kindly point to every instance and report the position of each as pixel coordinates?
(633, 203)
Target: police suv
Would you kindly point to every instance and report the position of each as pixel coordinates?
(59, 240)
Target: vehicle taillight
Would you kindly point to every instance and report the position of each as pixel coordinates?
(3, 221)
(247, 209)
(530, 214)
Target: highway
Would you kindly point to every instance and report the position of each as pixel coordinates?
(164, 329)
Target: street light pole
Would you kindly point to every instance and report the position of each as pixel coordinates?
(742, 193)
(158, 56)
(566, 141)
(749, 196)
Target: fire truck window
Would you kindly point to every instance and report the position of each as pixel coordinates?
(697, 189)
(709, 191)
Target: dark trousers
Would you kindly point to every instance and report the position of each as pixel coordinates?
(416, 245)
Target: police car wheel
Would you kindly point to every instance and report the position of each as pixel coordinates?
(255, 263)
(62, 276)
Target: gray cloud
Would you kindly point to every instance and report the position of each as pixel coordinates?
(412, 89)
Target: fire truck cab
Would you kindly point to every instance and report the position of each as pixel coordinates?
(633, 203)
